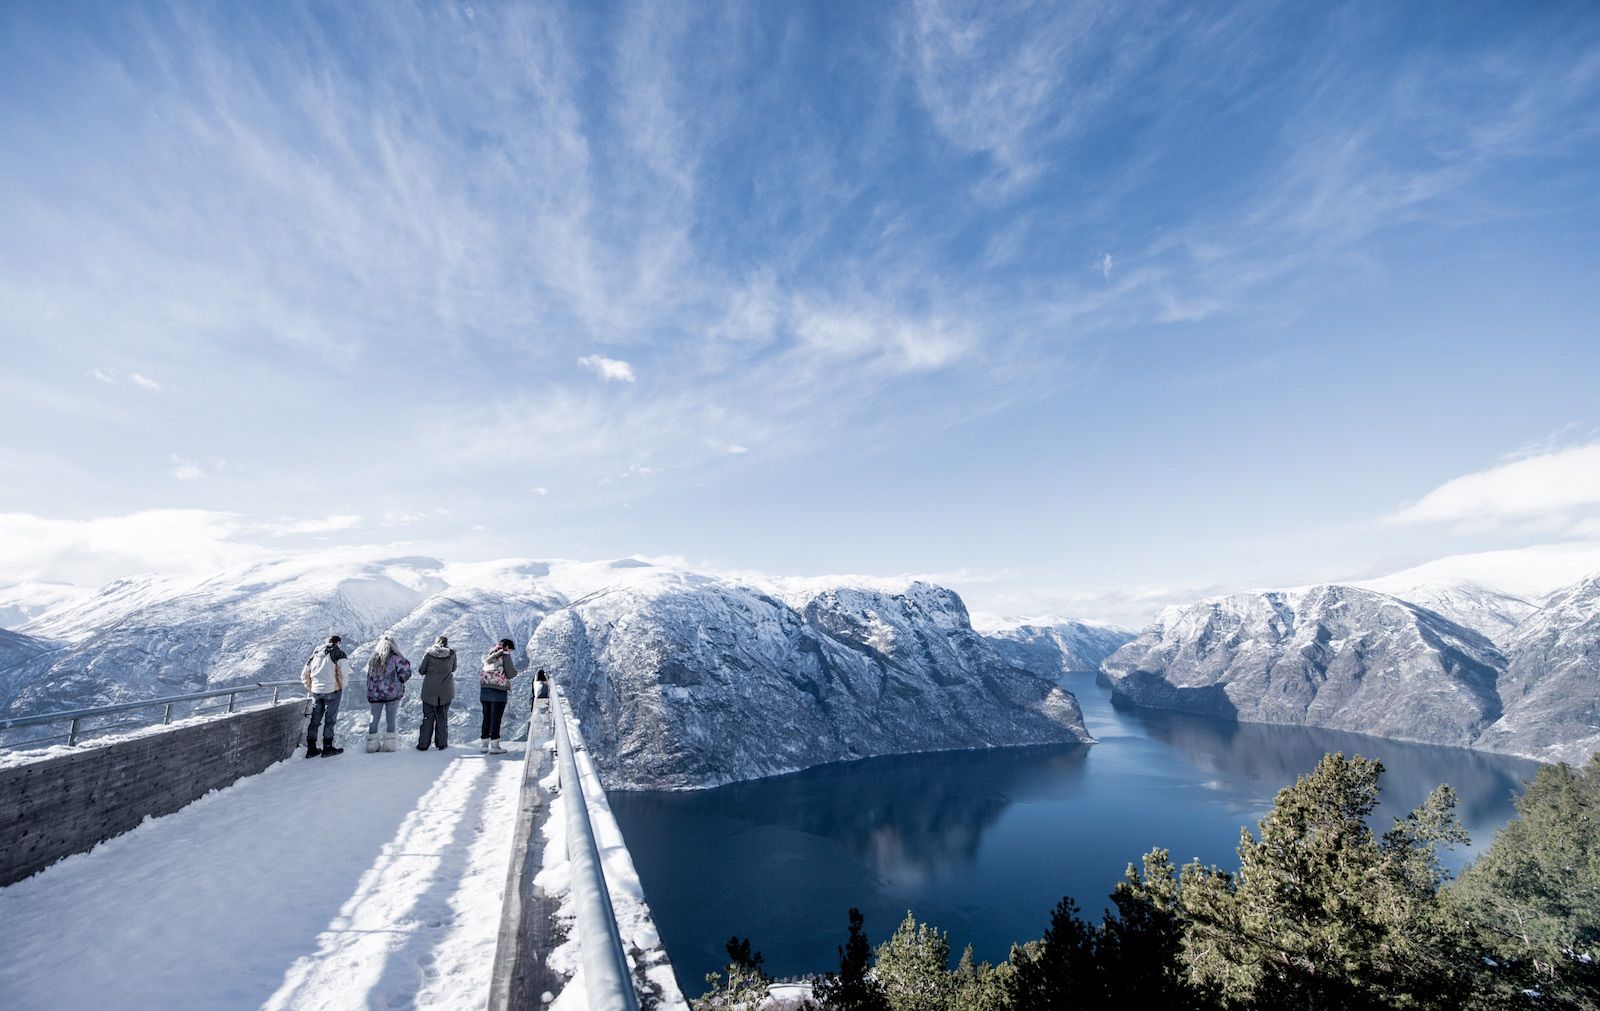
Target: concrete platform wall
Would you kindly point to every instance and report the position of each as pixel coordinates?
(63, 805)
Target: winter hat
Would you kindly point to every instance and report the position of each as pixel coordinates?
(442, 641)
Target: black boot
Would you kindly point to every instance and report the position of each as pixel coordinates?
(312, 751)
(328, 750)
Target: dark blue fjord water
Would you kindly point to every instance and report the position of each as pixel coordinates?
(983, 844)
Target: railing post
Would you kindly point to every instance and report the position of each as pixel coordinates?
(72, 733)
(166, 714)
(231, 697)
(274, 694)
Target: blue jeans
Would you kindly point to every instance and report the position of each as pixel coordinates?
(324, 710)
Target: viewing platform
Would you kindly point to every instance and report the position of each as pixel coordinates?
(438, 879)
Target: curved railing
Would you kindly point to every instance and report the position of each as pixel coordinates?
(607, 982)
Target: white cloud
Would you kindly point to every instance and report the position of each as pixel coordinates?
(102, 375)
(325, 525)
(609, 369)
(737, 450)
(186, 470)
(144, 381)
(93, 551)
(1552, 491)
(1106, 264)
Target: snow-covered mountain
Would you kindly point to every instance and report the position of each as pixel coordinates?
(1488, 612)
(1330, 656)
(1062, 647)
(20, 603)
(1550, 691)
(1352, 659)
(691, 681)
(682, 679)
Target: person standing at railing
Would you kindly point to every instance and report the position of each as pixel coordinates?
(387, 674)
(323, 676)
(438, 670)
(541, 691)
(494, 689)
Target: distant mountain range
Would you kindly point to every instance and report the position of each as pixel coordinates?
(684, 679)
(1458, 664)
(680, 679)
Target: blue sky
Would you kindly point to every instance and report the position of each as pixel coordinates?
(1079, 307)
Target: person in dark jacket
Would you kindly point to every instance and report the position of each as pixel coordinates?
(493, 691)
(438, 669)
(541, 691)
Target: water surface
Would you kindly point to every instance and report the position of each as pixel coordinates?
(983, 844)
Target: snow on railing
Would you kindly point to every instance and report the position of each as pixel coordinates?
(608, 983)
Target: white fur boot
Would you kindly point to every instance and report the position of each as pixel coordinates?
(483, 744)
(389, 740)
(372, 743)
(495, 748)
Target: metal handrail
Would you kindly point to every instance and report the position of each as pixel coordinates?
(74, 717)
(607, 982)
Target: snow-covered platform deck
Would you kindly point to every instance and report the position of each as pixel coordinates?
(363, 880)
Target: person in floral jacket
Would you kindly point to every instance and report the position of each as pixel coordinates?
(387, 674)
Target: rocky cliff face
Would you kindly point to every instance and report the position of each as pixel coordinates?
(1550, 690)
(1331, 656)
(1069, 647)
(681, 679)
(694, 682)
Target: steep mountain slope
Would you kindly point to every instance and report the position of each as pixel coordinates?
(1488, 612)
(1550, 690)
(687, 681)
(1331, 656)
(1065, 647)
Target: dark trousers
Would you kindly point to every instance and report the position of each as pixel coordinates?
(324, 710)
(435, 725)
(492, 711)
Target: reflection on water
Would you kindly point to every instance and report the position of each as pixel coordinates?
(982, 844)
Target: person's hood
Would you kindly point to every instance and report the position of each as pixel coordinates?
(440, 651)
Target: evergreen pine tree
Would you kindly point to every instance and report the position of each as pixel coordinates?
(853, 988)
(979, 986)
(747, 983)
(1139, 950)
(1321, 913)
(913, 967)
(1060, 970)
(1535, 893)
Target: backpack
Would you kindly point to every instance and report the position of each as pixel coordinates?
(318, 668)
(493, 674)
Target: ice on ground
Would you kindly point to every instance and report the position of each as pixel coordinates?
(365, 880)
